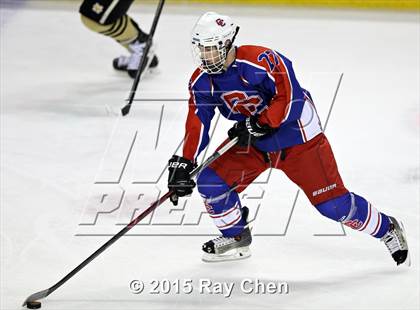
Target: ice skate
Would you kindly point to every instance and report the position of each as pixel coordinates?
(131, 63)
(223, 249)
(396, 242)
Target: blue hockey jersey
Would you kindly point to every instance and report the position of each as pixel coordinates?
(259, 82)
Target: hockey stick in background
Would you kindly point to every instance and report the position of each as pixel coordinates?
(126, 109)
(42, 294)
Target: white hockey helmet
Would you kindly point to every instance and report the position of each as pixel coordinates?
(212, 38)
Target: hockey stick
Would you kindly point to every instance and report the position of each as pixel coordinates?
(153, 206)
(126, 109)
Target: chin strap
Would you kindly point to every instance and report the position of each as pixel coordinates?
(236, 33)
(228, 48)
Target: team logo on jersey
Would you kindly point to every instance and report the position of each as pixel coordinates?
(220, 22)
(240, 102)
(355, 224)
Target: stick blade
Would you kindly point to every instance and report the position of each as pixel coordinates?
(125, 110)
(36, 296)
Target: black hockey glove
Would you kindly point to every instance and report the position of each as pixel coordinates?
(248, 131)
(179, 180)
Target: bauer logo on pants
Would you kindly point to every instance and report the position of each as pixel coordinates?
(323, 190)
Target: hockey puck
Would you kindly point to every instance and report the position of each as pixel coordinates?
(33, 305)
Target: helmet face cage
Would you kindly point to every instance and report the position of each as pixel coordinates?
(210, 58)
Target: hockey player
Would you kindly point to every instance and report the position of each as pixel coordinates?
(109, 17)
(277, 126)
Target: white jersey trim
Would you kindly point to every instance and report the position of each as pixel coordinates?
(309, 123)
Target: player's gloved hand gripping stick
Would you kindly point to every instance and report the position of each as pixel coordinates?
(179, 178)
(248, 131)
(42, 294)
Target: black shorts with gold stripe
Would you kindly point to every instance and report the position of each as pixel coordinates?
(105, 11)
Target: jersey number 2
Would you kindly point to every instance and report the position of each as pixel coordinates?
(240, 102)
(271, 58)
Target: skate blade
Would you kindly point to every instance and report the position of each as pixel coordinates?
(408, 259)
(235, 254)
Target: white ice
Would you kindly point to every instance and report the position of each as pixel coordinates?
(60, 134)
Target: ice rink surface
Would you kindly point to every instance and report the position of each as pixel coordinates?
(63, 150)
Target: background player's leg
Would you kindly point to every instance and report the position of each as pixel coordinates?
(124, 30)
(109, 17)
